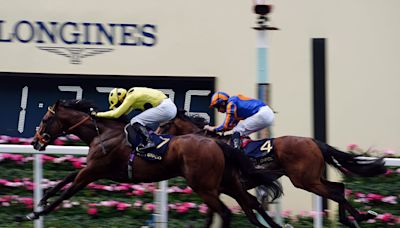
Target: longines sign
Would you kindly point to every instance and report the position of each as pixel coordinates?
(77, 40)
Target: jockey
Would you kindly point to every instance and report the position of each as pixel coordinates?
(156, 107)
(255, 114)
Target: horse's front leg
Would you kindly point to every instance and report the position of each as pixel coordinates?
(209, 218)
(52, 191)
(84, 177)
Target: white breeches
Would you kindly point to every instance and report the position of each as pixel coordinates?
(262, 119)
(165, 111)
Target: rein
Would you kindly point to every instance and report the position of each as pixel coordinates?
(76, 125)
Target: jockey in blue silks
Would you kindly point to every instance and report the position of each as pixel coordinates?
(256, 115)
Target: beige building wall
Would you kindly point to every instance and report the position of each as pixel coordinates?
(214, 38)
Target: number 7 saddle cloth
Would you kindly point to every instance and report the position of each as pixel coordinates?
(156, 154)
(262, 151)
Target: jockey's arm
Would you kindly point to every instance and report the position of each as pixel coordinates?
(124, 108)
(229, 122)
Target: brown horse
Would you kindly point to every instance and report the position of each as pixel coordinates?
(302, 160)
(204, 163)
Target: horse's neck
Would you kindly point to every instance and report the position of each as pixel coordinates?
(93, 128)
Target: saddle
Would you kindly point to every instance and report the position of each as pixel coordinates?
(261, 151)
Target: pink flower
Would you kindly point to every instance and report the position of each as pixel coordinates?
(388, 171)
(187, 190)
(149, 206)
(359, 194)
(92, 211)
(390, 199)
(58, 142)
(385, 217)
(189, 204)
(348, 192)
(352, 146)
(203, 208)
(47, 158)
(389, 152)
(122, 206)
(77, 164)
(182, 209)
(286, 213)
(371, 221)
(110, 203)
(138, 192)
(372, 196)
(138, 203)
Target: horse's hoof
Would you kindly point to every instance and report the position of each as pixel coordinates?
(31, 216)
(288, 226)
(371, 214)
(19, 218)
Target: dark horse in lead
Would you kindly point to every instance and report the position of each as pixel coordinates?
(301, 159)
(207, 166)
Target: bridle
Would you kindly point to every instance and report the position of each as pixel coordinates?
(44, 137)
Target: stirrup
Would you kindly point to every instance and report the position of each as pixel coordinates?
(143, 148)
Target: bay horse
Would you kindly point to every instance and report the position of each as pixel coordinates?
(302, 160)
(208, 167)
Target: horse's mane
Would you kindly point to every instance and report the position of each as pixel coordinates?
(197, 120)
(86, 106)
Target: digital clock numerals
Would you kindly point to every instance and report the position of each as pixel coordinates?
(22, 112)
(79, 95)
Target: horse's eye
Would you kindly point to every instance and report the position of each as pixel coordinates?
(46, 137)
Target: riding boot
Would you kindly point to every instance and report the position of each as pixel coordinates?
(144, 133)
(236, 141)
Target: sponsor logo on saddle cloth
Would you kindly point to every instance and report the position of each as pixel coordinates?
(156, 154)
(261, 151)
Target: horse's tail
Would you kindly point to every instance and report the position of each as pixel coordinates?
(241, 161)
(350, 163)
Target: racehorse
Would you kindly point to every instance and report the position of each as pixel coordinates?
(302, 160)
(204, 163)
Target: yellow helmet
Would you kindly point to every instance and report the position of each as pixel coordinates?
(116, 97)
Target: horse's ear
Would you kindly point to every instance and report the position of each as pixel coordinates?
(55, 106)
(181, 113)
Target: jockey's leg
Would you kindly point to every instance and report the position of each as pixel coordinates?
(144, 133)
(236, 141)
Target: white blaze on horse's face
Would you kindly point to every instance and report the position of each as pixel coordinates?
(42, 138)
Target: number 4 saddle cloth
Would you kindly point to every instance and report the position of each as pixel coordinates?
(260, 151)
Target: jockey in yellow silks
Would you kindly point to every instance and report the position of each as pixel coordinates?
(156, 107)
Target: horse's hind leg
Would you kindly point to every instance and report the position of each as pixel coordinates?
(215, 204)
(51, 192)
(335, 192)
(338, 191)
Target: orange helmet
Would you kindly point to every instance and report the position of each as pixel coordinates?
(218, 98)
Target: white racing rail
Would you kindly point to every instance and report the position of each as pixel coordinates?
(161, 198)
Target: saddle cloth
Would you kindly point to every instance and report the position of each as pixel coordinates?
(261, 151)
(156, 154)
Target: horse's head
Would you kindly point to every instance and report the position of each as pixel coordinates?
(57, 121)
(182, 124)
